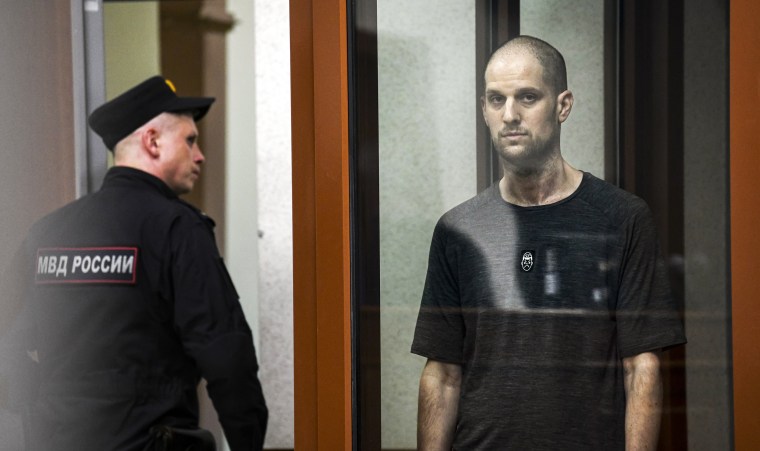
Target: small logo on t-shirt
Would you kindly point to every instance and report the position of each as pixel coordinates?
(527, 260)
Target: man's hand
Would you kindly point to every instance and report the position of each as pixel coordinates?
(438, 402)
(643, 391)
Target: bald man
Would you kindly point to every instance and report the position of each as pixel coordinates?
(546, 302)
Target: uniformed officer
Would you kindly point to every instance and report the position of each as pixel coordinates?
(128, 303)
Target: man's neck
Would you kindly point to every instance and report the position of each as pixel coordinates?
(546, 185)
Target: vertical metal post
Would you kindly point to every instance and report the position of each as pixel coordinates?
(88, 66)
(611, 91)
(496, 21)
(365, 232)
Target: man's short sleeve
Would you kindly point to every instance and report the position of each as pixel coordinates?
(439, 334)
(647, 315)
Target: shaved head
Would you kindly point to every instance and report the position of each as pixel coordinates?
(552, 62)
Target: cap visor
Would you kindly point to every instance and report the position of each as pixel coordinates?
(197, 106)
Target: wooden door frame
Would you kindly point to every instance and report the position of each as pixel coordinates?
(321, 236)
(745, 217)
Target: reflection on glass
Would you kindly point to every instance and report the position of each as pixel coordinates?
(426, 93)
(427, 165)
(427, 106)
(578, 33)
(513, 297)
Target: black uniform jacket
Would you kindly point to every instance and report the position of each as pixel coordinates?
(128, 305)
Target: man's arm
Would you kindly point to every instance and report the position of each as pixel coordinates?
(438, 403)
(211, 324)
(643, 392)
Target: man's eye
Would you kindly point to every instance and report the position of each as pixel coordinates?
(496, 99)
(530, 98)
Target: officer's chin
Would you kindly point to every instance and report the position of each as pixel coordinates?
(180, 190)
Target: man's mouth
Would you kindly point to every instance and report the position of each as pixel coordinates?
(512, 134)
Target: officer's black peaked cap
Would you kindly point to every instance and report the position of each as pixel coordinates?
(118, 118)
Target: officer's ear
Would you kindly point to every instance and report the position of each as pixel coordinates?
(149, 140)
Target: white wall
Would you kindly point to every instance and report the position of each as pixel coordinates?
(259, 225)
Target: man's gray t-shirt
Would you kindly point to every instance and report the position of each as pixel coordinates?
(539, 305)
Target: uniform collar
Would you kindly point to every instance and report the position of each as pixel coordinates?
(126, 176)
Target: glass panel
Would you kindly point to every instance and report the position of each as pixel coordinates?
(578, 33)
(705, 263)
(427, 111)
(428, 124)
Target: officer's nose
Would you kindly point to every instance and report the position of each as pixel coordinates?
(198, 156)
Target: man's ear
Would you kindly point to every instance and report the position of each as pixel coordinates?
(564, 105)
(149, 140)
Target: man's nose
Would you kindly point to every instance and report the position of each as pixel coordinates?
(511, 111)
(199, 157)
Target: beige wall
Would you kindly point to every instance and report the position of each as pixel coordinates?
(37, 141)
(132, 45)
(37, 145)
